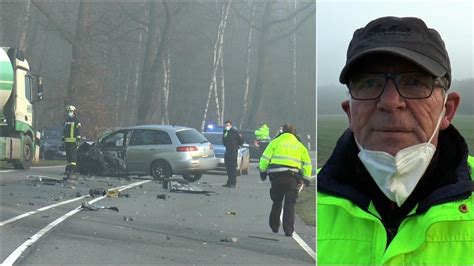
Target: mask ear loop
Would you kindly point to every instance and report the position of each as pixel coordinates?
(441, 115)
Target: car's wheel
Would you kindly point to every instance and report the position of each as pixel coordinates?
(160, 170)
(192, 177)
(27, 154)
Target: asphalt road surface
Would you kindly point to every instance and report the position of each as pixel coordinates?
(41, 222)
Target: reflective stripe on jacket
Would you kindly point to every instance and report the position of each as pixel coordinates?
(71, 132)
(288, 151)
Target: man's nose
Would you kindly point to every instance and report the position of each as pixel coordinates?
(390, 99)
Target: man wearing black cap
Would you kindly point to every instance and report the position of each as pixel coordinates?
(398, 187)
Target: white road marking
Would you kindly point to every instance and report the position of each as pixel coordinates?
(6, 171)
(55, 166)
(300, 241)
(13, 257)
(35, 167)
(40, 210)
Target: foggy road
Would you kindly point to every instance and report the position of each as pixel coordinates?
(42, 224)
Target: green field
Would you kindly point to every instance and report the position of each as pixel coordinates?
(330, 128)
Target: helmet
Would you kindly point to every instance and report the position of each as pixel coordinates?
(70, 108)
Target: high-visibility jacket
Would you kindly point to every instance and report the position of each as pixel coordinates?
(349, 235)
(72, 130)
(438, 233)
(286, 150)
(263, 133)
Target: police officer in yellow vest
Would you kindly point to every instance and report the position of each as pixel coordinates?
(71, 137)
(398, 189)
(288, 164)
(262, 136)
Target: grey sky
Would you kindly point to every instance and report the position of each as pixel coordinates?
(337, 20)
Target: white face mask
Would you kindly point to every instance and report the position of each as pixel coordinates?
(397, 176)
(227, 128)
(70, 114)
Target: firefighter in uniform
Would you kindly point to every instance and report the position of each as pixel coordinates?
(71, 137)
(288, 164)
(262, 135)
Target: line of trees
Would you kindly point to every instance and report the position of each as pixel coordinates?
(126, 63)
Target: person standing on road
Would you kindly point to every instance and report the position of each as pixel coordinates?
(288, 164)
(398, 189)
(232, 140)
(262, 136)
(71, 137)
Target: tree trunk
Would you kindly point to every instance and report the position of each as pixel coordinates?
(166, 87)
(149, 91)
(217, 51)
(293, 116)
(247, 67)
(78, 52)
(255, 112)
(25, 27)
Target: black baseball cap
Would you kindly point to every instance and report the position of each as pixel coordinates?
(406, 37)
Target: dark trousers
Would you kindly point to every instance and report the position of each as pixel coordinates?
(71, 156)
(262, 145)
(230, 160)
(284, 186)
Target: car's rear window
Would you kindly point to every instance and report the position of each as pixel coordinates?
(188, 136)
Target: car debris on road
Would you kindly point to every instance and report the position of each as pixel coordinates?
(94, 207)
(178, 185)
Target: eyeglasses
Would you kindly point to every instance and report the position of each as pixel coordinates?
(410, 85)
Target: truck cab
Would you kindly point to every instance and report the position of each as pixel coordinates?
(18, 138)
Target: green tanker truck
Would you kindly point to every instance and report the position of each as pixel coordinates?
(18, 139)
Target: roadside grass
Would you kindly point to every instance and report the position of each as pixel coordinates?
(331, 127)
(305, 206)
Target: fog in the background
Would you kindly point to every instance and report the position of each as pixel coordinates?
(336, 22)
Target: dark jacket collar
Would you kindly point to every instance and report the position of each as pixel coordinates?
(447, 178)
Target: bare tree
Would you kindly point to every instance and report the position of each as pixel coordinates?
(218, 53)
(25, 27)
(247, 66)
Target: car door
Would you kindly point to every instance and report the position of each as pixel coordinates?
(114, 145)
(145, 146)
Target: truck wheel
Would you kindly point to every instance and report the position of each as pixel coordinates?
(160, 170)
(192, 177)
(27, 154)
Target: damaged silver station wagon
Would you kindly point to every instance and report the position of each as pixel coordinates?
(156, 150)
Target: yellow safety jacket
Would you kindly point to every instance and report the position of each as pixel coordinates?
(263, 133)
(286, 150)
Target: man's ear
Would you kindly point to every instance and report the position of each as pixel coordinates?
(452, 104)
(346, 106)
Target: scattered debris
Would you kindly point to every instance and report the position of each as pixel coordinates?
(128, 219)
(161, 196)
(113, 193)
(231, 213)
(181, 186)
(264, 238)
(232, 239)
(31, 203)
(94, 207)
(123, 195)
(94, 192)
